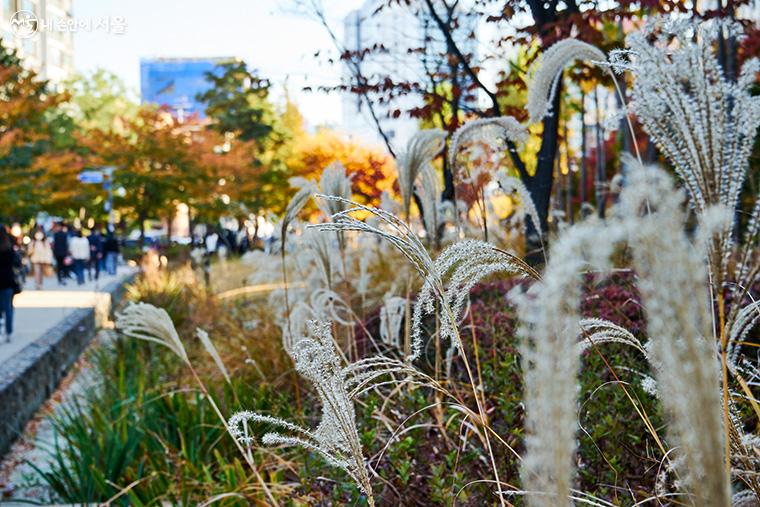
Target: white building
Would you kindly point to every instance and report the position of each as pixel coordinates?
(397, 29)
(48, 51)
(394, 28)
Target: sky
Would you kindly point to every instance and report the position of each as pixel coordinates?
(270, 35)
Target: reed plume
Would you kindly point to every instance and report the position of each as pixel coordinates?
(419, 153)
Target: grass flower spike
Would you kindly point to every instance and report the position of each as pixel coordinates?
(146, 322)
(547, 70)
(336, 438)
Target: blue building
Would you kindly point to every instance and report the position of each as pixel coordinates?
(175, 82)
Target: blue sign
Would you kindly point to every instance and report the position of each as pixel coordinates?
(90, 177)
(175, 82)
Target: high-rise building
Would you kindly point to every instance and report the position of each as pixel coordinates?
(47, 45)
(397, 29)
(176, 82)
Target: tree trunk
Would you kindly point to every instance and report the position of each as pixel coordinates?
(584, 150)
(169, 230)
(252, 241)
(601, 177)
(141, 220)
(540, 184)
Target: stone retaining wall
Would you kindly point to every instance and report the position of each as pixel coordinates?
(29, 377)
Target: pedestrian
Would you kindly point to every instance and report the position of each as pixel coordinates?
(111, 251)
(61, 252)
(10, 261)
(96, 253)
(40, 255)
(80, 252)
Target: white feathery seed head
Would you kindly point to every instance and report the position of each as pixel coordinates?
(334, 181)
(512, 185)
(546, 71)
(296, 204)
(673, 284)
(597, 331)
(336, 438)
(548, 331)
(211, 349)
(491, 131)
(703, 122)
(146, 322)
(449, 281)
(420, 151)
(391, 318)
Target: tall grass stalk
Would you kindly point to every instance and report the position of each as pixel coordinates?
(146, 322)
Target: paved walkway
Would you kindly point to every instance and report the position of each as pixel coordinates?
(36, 311)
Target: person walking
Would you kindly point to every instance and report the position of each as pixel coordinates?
(111, 251)
(96, 253)
(40, 255)
(61, 252)
(9, 261)
(80, 252)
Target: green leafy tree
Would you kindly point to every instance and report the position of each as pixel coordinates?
(251, 160)
(238, 102)
(100, 100)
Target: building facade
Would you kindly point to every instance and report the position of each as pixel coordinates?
(47, 47)
(397, 29)
(176, 82)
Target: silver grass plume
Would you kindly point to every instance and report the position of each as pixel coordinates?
(211, 349)
(548, 330)
(328, 305)
(488, 130)
(146, 322)
(745, 320)
(598, 331)
(336, 438)
(334, 182)
(460, 267)
(324, 253)
(388, 227)
(448, 284)
(511, 184)
(296, 204)
(419, 153)
(547, 70)
(391, 318)
(702, 122)
(429, 192)
(672, 280)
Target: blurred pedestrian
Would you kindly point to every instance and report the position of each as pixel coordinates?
(80, 252)
(96, 253)
(10, 262)
(40, 255)
(111, 251)
(61, 252)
